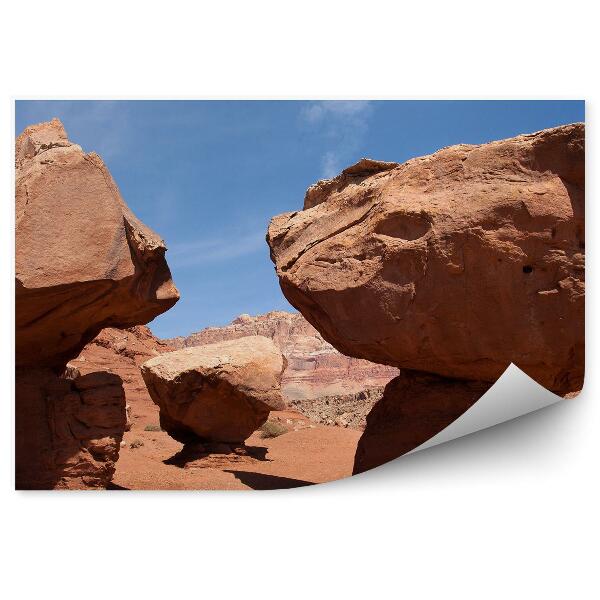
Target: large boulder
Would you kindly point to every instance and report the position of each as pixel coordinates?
(220, 392)
(457, 264)
(83, 260)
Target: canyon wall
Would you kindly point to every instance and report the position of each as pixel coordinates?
(314, 367)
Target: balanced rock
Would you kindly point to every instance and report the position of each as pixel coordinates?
(457, 264)
(219, 392)
(83, 260)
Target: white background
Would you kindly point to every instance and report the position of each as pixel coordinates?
(507, 513)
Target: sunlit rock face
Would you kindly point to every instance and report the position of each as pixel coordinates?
(83, 260)
(220, 392)
(457, 264)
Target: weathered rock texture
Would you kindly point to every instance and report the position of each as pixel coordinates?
(122, 351)
(346, 410)
(314, 368)
(218, 393)
(68, 431)
(414, 407)
(456, 264)
(83, 262)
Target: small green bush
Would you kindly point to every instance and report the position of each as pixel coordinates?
(152, 428)
(272, 429)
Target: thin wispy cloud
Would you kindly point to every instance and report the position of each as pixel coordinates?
(224, 247)
(342, 125)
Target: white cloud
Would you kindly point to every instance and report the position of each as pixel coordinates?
(219, 248)
(356, 110)
(330, 164)
(342, 125)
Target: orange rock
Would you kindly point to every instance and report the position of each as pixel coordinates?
(83, 260)
(67, 432)
(456, 263)
(220, 392)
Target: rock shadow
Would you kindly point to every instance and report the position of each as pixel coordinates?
(116, 486)
(196, 451)
(261, 481)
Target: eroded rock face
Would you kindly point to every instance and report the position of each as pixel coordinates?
(83, 260)
(347, 410)
(218, 393)
(414, 407)
(314, 367)
(68, 431)
(456, 263)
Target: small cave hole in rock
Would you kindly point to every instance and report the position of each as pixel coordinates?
(404, 226)
(527, 269)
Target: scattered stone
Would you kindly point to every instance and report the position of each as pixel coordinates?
(349, 410)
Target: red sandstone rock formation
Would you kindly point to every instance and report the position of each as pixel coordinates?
(219, 392)
(83, 262)
(122, 351)
(67, 430)
(456, 264)
(314, 368)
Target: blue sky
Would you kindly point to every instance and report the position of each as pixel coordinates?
(208, 175)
